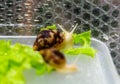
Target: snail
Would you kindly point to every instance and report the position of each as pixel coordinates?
(49, 43)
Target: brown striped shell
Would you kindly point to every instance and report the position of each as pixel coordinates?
(48, 39)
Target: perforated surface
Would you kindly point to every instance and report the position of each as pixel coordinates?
(26, 17)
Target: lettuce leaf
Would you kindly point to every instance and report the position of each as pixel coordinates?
(81, 50)
(14, 59)
(49, 27)
(83, 42)
(83, 38)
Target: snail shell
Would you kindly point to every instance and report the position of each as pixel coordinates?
(47, 39)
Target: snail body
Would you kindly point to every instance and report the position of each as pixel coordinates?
(49, 43)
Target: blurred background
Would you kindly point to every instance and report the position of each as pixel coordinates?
(26, 17)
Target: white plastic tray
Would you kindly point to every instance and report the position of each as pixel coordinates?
(98, 70)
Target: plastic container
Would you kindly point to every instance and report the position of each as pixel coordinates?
(98, 70)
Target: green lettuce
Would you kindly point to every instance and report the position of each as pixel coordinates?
(83, 45)
(15, 59)
(83, 38)
(49, 27)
